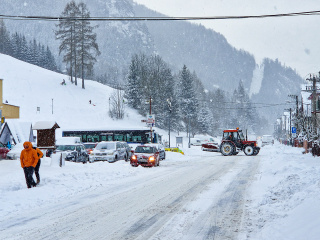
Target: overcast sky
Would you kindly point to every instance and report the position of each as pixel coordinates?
(295, 41)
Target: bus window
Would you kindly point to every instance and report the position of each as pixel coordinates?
(118, 137)
(103, 138)
(91, 138)
(136, 139)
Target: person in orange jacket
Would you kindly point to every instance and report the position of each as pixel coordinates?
(36, 169)
(29, 160)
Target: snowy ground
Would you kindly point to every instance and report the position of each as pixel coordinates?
(280, 198)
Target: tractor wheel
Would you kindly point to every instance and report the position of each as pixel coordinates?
(227, 148)
(255, 151)
(248, 150)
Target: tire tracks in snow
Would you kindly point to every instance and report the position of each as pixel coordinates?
(156, 206)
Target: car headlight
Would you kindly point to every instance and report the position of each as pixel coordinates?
(151, 159)
(134, 157)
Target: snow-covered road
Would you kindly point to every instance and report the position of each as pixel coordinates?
(199, 195)
(199, 198)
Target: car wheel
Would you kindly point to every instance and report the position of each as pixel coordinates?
(126, 157)
(227, 148)
(248, 150)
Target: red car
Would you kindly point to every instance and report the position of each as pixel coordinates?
(146, 156)
(89, 146)
(210, 146)
(3, 151)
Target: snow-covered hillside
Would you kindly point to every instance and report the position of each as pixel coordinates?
(32, 87)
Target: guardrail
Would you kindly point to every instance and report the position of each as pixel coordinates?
(174, 150)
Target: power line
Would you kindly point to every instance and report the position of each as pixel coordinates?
(52, 18)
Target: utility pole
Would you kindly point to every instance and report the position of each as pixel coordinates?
(170, 108)
(314, 80)
(290, 129)
(151, 124)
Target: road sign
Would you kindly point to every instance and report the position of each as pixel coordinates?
(151, 121)
(294, 130)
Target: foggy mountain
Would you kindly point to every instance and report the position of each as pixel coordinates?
(208, 53)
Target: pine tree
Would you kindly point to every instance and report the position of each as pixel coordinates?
(133, 91)
(4, 38)
(187, 98)
(87, 41)
(77, 40)
(66, 35)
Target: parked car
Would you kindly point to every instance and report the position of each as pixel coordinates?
(74, 152)
(90, 146)
(3, 151)
(15, 151)
(195, 141)
(109, 151)
(128, 150)
(210, 146)
(160, 149)
(146, 156)
(267, 140)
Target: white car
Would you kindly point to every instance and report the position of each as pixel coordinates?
(195, 141)
(267, 140)
(109, 151)
(15, 151)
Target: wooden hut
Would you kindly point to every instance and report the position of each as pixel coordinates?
(46, 134)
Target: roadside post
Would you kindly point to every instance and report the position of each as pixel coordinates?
(293, 134)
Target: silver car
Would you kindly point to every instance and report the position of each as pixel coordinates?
(109, 151)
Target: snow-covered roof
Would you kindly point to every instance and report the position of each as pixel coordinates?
(20, 131)
(41, 125)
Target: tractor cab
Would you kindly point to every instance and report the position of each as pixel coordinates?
(233, 135)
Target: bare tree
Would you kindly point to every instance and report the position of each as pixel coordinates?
(117, 104)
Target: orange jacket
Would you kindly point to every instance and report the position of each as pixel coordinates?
(29, 156)
(39, 153)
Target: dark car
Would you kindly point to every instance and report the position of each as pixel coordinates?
(74, 152)
(128, 150)
(146, 156)
(3, 151)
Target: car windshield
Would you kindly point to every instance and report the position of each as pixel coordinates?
(66, 147)
(89, 145)
(106, 146)
(144, 150)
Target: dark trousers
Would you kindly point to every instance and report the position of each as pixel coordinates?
(28, 172)
(36, 170)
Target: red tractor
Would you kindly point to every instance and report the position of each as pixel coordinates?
(233, 142)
